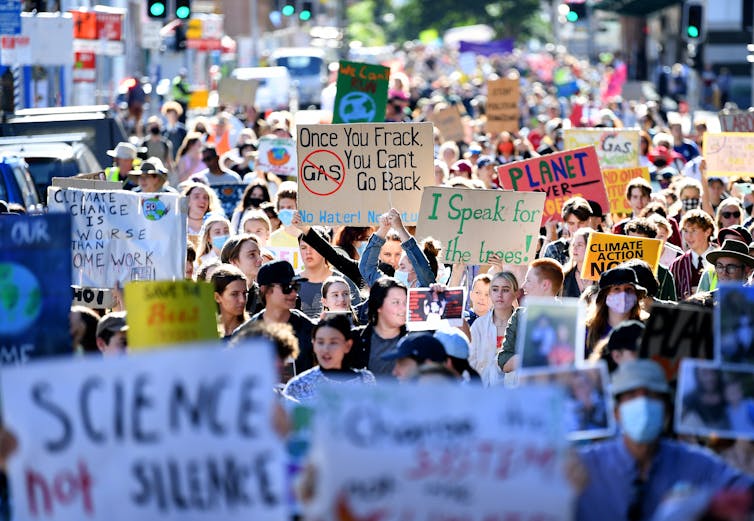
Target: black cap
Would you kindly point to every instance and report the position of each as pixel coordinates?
(277, 272)
(616, 276)
(626, 335)
(421, 347)
(596, 209)
(644, 276)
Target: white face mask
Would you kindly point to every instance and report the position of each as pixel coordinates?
(402, 277)
(641, 419)
(621, 302)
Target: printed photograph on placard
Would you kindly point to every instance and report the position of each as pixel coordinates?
(588, 404)
(715, 401)
(429, 309)
(551, 334)
(734, 323)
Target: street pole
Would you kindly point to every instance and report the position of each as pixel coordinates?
(254, 34)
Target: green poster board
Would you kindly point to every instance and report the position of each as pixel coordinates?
(362, 93)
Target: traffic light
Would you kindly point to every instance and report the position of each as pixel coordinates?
(183, 9)
(306, 11)
(156, 8)
(289, 8)
(576, 12)
(693, 22)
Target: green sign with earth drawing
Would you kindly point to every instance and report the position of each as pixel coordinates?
(35, 287)
(362, 93)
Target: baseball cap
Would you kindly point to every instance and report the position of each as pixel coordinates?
(277, 272)
(639, 374)
(113, 322)
(454, 342)
(420, 347)
(625, 336)
(484, 161)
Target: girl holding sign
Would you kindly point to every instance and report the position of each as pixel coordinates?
(331, 338)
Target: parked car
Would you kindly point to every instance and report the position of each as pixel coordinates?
(16, 185)
(102, 129)
(52, 155)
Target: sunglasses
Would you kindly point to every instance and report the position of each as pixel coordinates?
(289, 287)
(728, 215)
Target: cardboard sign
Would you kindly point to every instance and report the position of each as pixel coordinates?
(35, 287)
(288, 253)
(165, 312)
(561, 176)
(474, 224)
(391, 453)
(351, 174)
(237, 92)
(736, 121)
(120, 236)
(361, 93)
(277, 155)
(616, 148)
(502, 106)
(173, 435)
(616, 181)
(229, 195)
(607, 250)
(97, 298)
(674, 332)
(728, 153)
(733, 418)
(448, 120)
(551, 333)
(589, 404)
(429, 309)
(734, 324)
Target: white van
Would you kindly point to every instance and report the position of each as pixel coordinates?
(273, 92)
(308, 69)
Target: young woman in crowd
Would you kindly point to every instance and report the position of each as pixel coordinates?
(257, 223)
(243, 252)
(230, 295)
(336, 296)
(488, 331)
(729, 213)
(617, 301)
(353, 240)
(573, 284)
(202, 200)
(331, 340)
(215, 232)
(253, 196)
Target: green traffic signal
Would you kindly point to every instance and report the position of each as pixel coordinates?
(183, 12)
(288, 10)
(157, 9)
(572, 17)
(692, 31)
(305, 15)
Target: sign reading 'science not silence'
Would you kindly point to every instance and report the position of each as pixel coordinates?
(350, 174)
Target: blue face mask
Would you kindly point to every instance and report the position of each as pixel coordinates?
(641, 419)
(286, 217)
(219, 241)
(361, 247)
(402, 277)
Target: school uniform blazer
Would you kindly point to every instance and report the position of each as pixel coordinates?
(683, 271)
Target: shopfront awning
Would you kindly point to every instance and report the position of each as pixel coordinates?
(634, 7)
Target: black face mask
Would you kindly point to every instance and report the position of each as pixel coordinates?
(256, 201)
(155, 131)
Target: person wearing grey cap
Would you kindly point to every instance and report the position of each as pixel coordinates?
(111, 333)
(631, 474)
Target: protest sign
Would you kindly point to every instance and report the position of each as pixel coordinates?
(734, 324)
(502, 106)
(173, 435)
(551, 333)
(97, 298)
(606, 250)
(237, 92)
(161, 313)
(728, 153)
(736, 121)
(120, 236)
(278, 156)
(561, 176)
(286, 253)
(616, 148)
(732, 418)
(429, 309)
(361, 93)
(351, 174)
(674, 332)
(588, 404)
(448, 120)
(35, 287)
(616, 180)
(229, 195)
(391, 453)
(474, 224)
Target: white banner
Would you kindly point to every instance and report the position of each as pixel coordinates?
(118, 236)
(173, 435)
(277, 155)
(402, 452)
